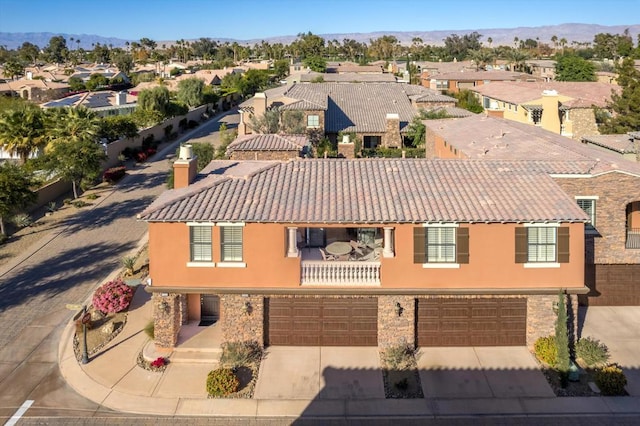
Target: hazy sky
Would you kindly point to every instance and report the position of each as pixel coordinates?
(164, 20)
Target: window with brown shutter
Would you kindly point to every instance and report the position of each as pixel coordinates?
(521, 245)
(419, 245)
(462, 245)
(563, 244)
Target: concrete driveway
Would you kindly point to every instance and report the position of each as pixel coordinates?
(619, 328)
(481, 372)
(292, 372)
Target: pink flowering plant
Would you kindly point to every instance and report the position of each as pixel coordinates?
(159, 362)
(112, 296)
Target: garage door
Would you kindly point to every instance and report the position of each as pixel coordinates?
(322, 322)
(613, 285)
(471, 322)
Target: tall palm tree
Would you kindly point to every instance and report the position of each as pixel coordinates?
(517, 58)
(22, 131)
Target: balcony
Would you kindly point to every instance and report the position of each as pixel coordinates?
(319, 268)
(633, 238)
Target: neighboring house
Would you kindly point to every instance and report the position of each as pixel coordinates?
(627, 145)
(351, 68)
(603, 183)
(312, 76)
(35, 90)
(378, 113)
(268, 147)
(564, 108)
(544, 69)
(109, 73)
(104, 103)
(456, 81)
(428, 252)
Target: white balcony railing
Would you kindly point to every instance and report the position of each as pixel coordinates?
(340, 273)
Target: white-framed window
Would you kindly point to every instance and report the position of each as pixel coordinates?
(313, 121)
(200, 244)
(441, 245)
(231, 243)
(588, 204)
(542, 244)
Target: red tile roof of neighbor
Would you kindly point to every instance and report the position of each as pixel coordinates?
(367, 191)
(583, 94)
(491, 138)
(268, 142)
(483, 75)
(623, 143)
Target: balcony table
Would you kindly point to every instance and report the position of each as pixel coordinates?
(339, 248)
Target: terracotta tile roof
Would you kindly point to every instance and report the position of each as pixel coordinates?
(349, 77)
(620, 143)
(368, 191)
(483, 75)
(268, 142)
(582, 94)
(491, 138)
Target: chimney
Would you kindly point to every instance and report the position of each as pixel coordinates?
(185, 167)
(259, 104)
(550, 119)
(121, 98)
(29, 75)
(391, 137)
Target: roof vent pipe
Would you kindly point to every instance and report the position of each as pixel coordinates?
(186, 152)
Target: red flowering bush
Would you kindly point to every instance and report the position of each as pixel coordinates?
(112, 296)
(159, 362)
(141, 157)
(151, 151)
(114, 174)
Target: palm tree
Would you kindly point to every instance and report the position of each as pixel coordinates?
(481, 57)
(71, 125)
(517, 58)
(22, 131)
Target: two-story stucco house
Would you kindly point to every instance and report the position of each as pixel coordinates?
(374, 252)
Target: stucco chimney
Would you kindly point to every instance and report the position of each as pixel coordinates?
(550, 119)
(259, 104)
(185, 167)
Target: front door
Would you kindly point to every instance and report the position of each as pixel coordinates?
(209, 309)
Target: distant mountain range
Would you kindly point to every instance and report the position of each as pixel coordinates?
(500, 36)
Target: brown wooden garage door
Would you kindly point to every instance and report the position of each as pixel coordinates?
(471, 322)
(613, 285)
(322, 321)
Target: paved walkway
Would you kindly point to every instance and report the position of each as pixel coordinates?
(346, 385)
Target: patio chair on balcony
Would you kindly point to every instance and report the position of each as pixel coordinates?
(326, 256)
(357, 247)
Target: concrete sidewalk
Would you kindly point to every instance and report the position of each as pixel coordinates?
(113, 379)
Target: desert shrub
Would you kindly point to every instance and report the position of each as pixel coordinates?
(222, 382)
(52, 206)
(3, 239)
(192, 124)
(114, 174)
(92, 196)
(182, 124)
(79, 204)
(611, 380)
(149, 330)
(22, 220)
(67, 201)
(546, 350)
(112, 296)
(148, 141)
(167, 130)
(129, 263)
(592, 351)
(238, 354)
(400, 357)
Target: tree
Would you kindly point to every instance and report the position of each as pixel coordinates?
(56, 51)
(517, 58)
(76, 84)
(315, 63)
(562, 341)
(269, 122)
(457, 47)
(13, 68)
(574, 68)
(155, 99)
(15, 191)
(467, 100)
(96, 81)
(116, 127)
(310, 44)
(22, 131)
(416, 131)
(625, 105)
(384, 47)
(124, 62)
(190, 92)
(481, 58)
(293, 122)
(29, 52)
(71, 125)
(281, 68)
(79, 162)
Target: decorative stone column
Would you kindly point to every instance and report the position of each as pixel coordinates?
(388, 250)
(541, 318)
(184, 309)
(396, 321)
(242, 318)
(292, 250)
(166, 320)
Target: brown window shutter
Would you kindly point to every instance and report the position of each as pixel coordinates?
(521, 245)
(286, 241)
(462, 245)
(563, 244)
(419, 245)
